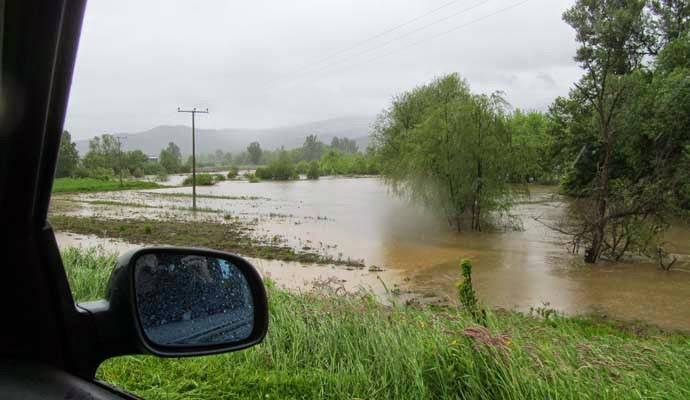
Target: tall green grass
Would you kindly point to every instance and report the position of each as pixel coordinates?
(88, 271)
(323, 346)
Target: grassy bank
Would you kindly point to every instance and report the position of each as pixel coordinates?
(233, 236)
(326, 346)
(75, 185)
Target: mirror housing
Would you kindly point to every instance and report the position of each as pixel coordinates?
(114, 326)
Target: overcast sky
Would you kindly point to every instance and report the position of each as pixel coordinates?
(267, 63)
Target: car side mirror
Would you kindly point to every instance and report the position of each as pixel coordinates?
(189, 300)
(175, 302)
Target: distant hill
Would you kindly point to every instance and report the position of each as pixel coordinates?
(236, 140)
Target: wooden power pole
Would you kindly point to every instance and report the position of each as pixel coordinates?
(119, 156)
(194, 112)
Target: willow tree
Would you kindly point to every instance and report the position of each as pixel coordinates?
(449, 150)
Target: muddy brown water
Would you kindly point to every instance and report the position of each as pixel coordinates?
(358, 218)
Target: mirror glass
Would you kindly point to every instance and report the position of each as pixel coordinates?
(188, 300)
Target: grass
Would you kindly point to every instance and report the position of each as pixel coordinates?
(76, 185)
(207, 196)
(323, 346)
(88, 271)
(233, 236)
(131, 204)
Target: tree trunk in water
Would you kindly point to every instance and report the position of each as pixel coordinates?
(593, 252)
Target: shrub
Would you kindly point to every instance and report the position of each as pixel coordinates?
(204, 179)
(302, 167)
(281, 169)
(252, 178)
(467, 296)
(263, 173)
(232, 173)
(314, 171)
(162, 176)
(153, 168)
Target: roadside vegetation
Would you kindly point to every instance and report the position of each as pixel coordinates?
(383, 352)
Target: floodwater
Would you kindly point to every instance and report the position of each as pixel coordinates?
(358, 218)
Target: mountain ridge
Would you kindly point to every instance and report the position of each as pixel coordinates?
(151, 141)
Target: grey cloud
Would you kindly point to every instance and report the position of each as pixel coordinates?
(256, 64)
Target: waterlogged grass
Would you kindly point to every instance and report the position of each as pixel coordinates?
(111, 203)
(75, 185)
(130, 204)
(207, 196)
(323, 346)
(233, 235)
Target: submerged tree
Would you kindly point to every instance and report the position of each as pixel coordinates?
(170, 158)
(312, 149)
(625, 126)
(448, 149)
(254, 152)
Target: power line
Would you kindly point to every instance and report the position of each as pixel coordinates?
(421, 28)
(404, 35)
(383, 33)
(500, 11)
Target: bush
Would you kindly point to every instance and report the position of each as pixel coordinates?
(162, 176)
(232, 173)
(219, 177)
(204, 179)
(153, 168)
(281, 169)
(138, 173)
(337, 163)
(314, 171)
(302, 167)
(252, 178)
(263, 173)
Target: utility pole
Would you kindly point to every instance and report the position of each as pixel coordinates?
(194, 112)
(119, 147)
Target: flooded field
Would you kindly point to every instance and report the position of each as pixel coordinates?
(356, 218)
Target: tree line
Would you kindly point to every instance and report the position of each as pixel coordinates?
(106, 159)
(619, 143)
